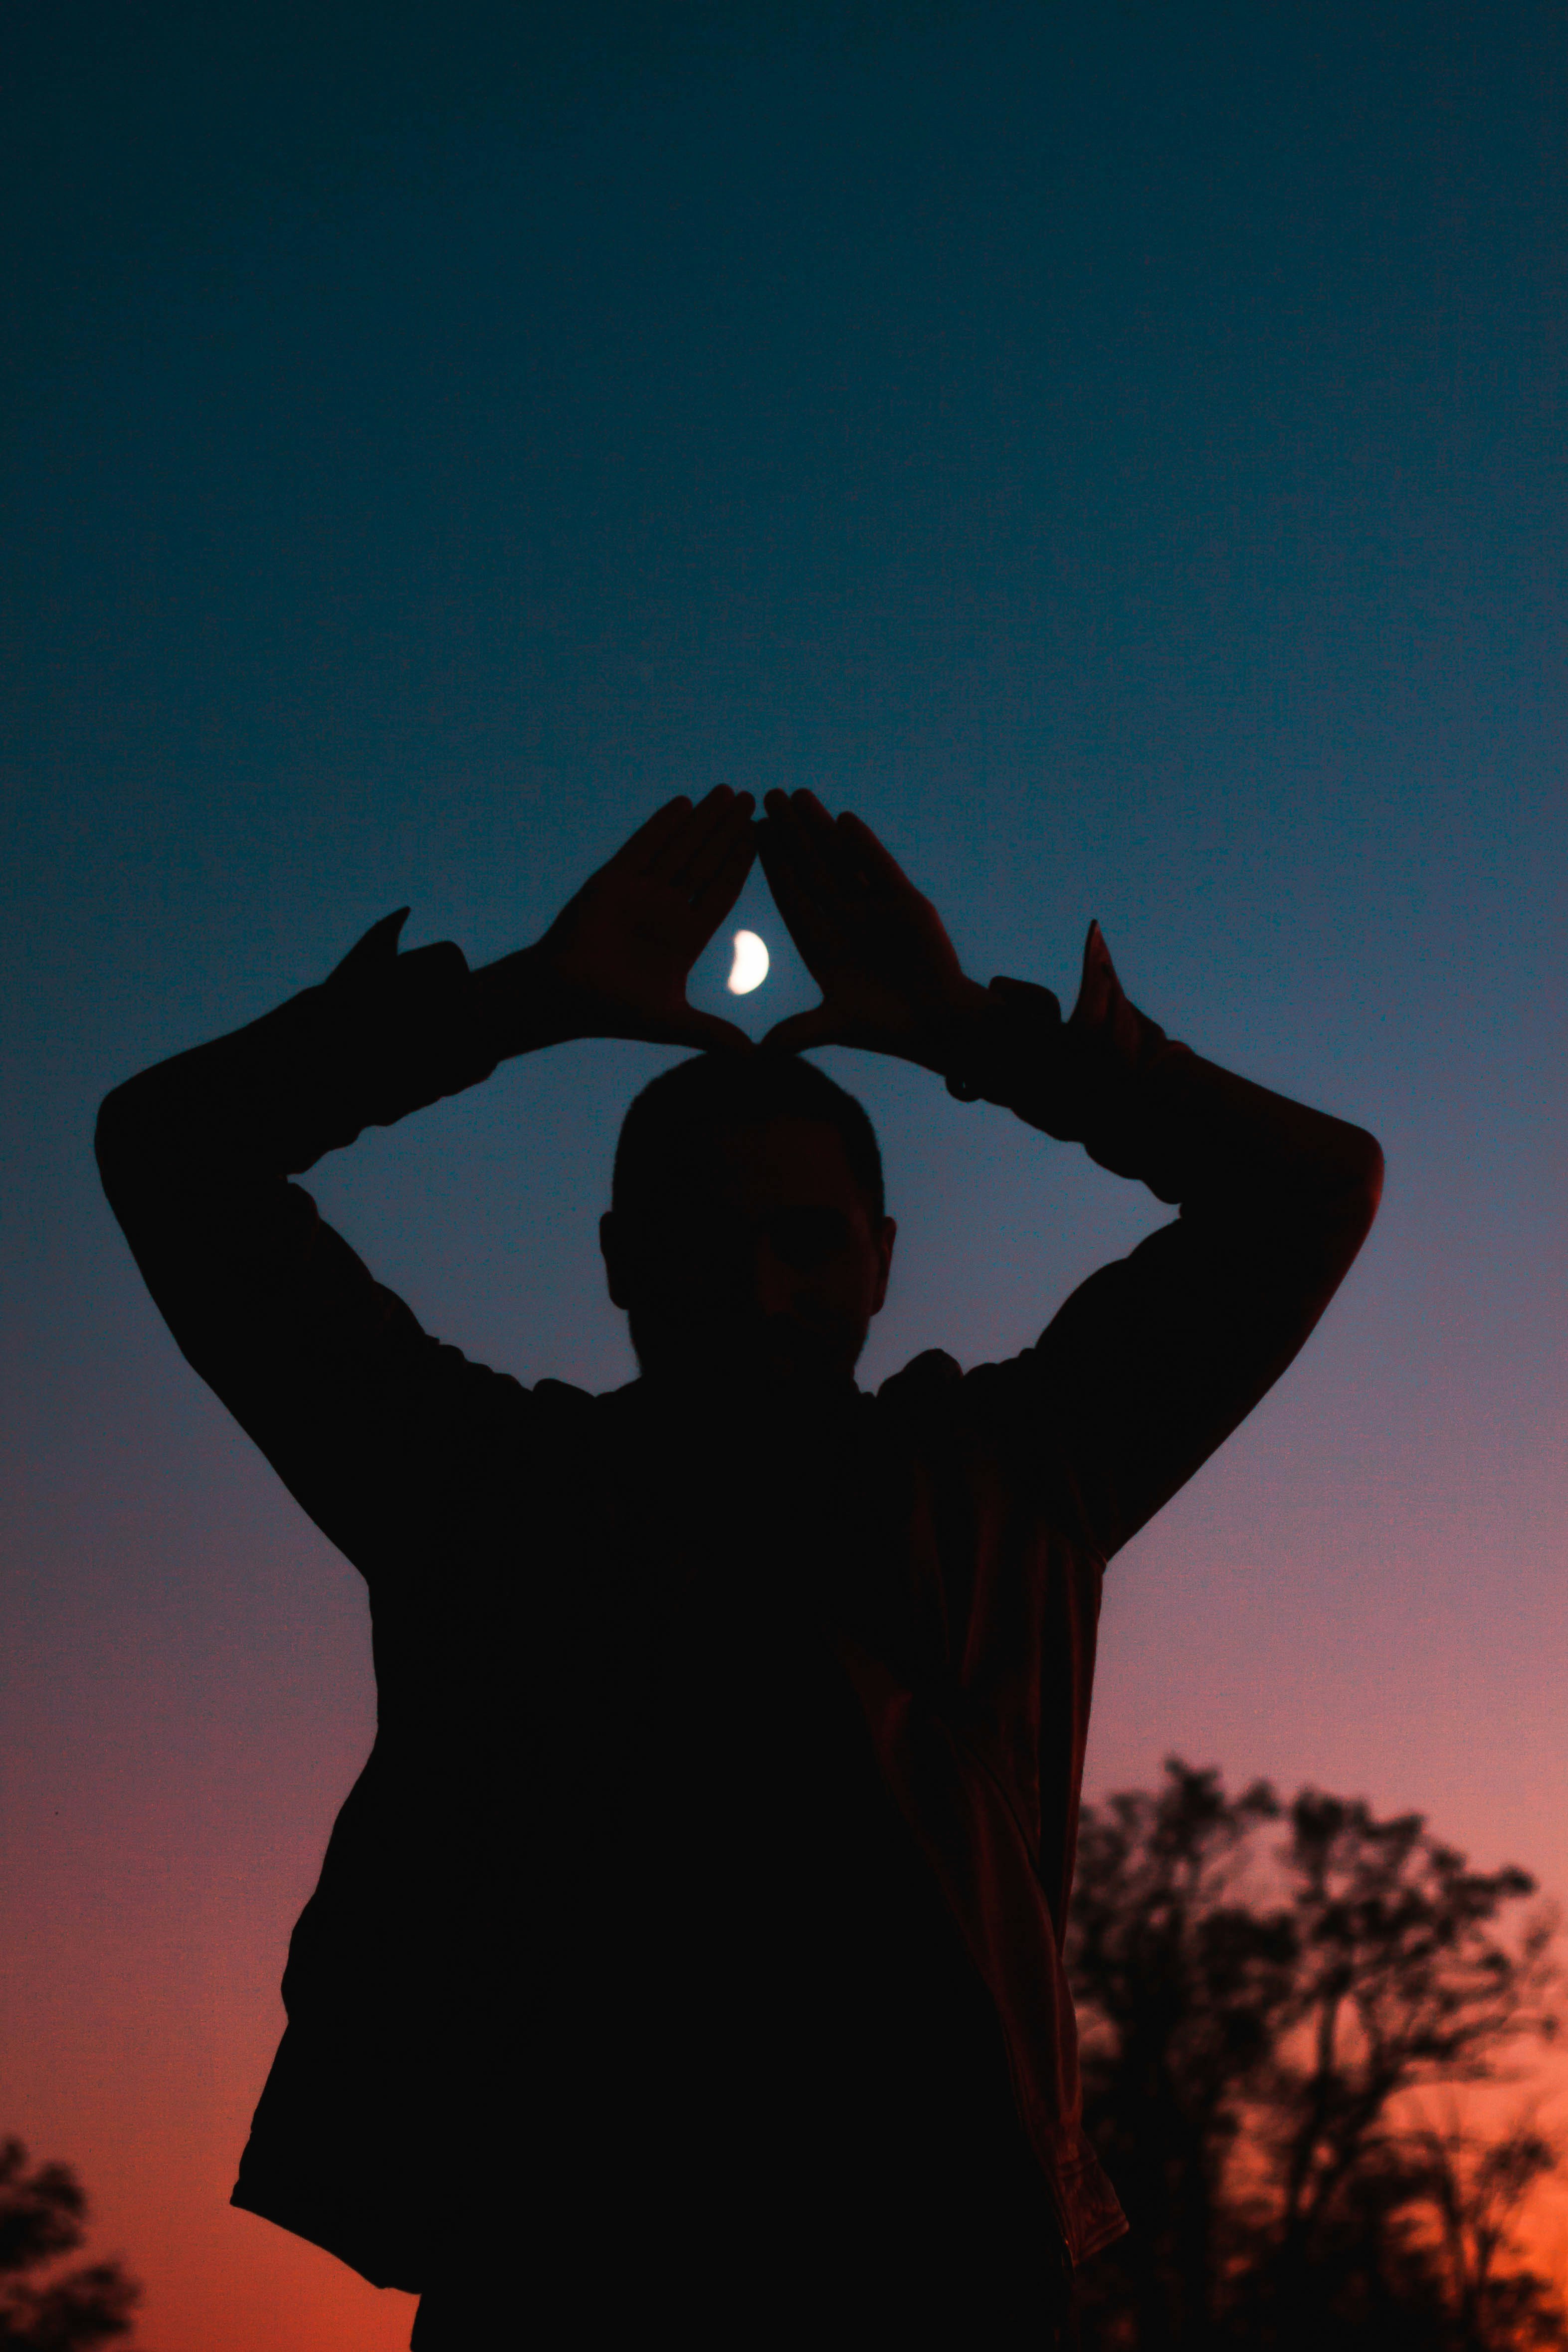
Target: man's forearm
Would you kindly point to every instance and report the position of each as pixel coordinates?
(384, 1035)
(1152, 1361)
(523, 1004)
(1145, 1106)
(361, 1412)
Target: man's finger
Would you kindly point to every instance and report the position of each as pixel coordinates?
(781, 861)
(801, 1030)
(711, 1032)
(803, 831)
(713, 812)
(805, 811)
(802, 815)
(728, 847)
(641, 852)
(781, 855)
(1098, 987)
(843, 871)
(722, 889)
(875, 862)
(810, 928)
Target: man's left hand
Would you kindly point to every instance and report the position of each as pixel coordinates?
(889, 976)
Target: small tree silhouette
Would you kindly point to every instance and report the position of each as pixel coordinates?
(42, 2215)
(1263, 2018)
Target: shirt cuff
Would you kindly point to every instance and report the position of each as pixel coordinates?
(1097, 1081)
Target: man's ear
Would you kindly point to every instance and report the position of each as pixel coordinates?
(884, 1240)
(612, 1248)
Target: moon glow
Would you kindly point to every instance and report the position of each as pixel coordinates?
(750, 968)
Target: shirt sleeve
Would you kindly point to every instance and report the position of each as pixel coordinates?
(1152, 1361)
(380, 1432)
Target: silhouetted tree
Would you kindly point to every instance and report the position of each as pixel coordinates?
(1263, 2017)
(42, 2215)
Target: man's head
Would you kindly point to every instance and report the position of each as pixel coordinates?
(747, 1238)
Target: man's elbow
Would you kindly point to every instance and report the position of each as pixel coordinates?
(110, 1135)
(121, 1139)
(1369, 1168)
(1361, 1186)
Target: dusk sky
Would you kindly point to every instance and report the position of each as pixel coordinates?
(1119, 451)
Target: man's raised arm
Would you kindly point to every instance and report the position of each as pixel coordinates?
(1154, 1361)
(368, 1420)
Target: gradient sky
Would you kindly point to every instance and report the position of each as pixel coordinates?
(1117, 449)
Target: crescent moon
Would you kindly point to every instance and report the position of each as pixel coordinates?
(750, 968)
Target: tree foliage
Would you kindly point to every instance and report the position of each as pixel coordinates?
(43, 2212)
(1273, 1997)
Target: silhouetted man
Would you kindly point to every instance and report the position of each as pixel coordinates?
(687, 1954)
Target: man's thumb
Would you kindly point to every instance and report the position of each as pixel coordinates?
(801, 1031)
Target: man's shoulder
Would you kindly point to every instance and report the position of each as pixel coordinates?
(565, 1398)
(935, 1380)
(1006, 1409)
(933, 1396)
(932, 1377)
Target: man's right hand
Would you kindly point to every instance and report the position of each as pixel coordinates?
(615, 962)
